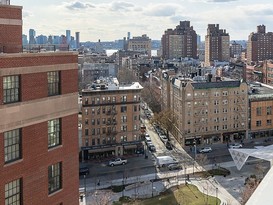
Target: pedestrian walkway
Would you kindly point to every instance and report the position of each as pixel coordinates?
(145, 187)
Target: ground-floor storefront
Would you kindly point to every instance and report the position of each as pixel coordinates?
(110, 151)
(206, 139)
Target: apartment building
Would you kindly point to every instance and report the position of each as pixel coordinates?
(180, 42)
(38, 124)
(260, 45)
(267, 72)
(208, 109)
(260, 110)
(110, 119)
(235, 49)
(216, 45)
(141, 44)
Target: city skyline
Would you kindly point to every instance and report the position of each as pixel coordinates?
(111, 20)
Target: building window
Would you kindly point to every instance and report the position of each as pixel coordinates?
(13, 192)
(53, 81)
(259, 123)
(54, 133)
(269, 110)
(269, 122)
(11, 86)
(259, 111)
(12, 145)
(54, 177)
(123, 99)
(123, 109)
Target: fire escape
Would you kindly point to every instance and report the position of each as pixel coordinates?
(111, 123)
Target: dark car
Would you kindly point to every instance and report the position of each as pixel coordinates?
(84, 171)
(174, 167)
(169, 145)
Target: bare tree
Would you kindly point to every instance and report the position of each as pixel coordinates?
(126, 75)
(151, 95)
(166, 119)
(251, 184)
(260, 169)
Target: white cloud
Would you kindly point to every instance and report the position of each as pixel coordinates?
(121, 6)
(78, 5)
(162, 10)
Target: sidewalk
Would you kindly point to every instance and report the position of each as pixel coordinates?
(145, 187)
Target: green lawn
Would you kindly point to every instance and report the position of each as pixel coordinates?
(183, 195)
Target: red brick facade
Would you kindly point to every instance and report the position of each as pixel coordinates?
(28, 60)
(33, 167)
(11, 34)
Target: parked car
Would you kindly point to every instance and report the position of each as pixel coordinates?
(117, 161)
(152, 148)
(235, 146)
(84, 171)
(169, 145)
(174, 166)
(205, 150)
(163, 138)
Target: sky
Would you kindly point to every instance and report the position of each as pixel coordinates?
(111, 20)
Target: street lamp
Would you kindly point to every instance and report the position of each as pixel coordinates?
(84, 177)
(216, 196)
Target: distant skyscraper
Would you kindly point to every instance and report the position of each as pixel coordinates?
(198, 40)
(179, 42)
(41, 39)
(260, 45)
(24, 39)
(50, 39)
(217, 45)
(68, 36)
(56, 40)
(128, 35)
(77, 39)
(32, 35)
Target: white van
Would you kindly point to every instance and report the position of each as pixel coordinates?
(163, 161)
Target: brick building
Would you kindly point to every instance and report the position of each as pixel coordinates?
(38, 124)
(216, 45)
(259, 45)
(110, 119)
(208, 109)
(260, 110)
(141, 44)
(180, 42)
(10, 28)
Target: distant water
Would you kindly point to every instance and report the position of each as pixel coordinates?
(109, 52)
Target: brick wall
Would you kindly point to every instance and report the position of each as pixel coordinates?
(33, 86)
(33, 168)
(69, 81)
(10, 12)
(39, 59)
(11, 35)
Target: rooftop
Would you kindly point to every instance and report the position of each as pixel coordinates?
(111, 83)
(260, 91)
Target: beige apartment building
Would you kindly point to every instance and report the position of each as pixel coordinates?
(207, 109)
(141, 44)
(111, 119)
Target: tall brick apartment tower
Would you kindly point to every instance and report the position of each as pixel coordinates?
(38, 120)
(216, 45)
(179, 42)
(260, 45)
